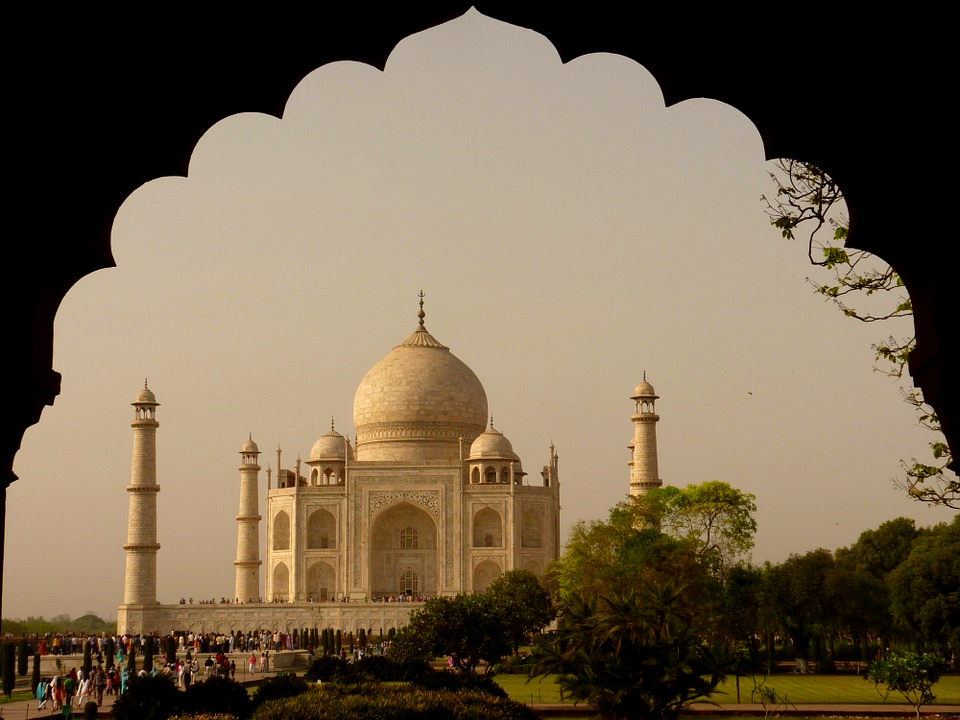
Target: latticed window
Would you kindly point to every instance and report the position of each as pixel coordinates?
(409, 583)
(408, 538)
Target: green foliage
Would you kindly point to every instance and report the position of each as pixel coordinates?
(276, 688)
(523, 603)
(88, 624)
(925, 587)
(629, 655)
(330, 667)
(628, 552)
(148, 698)
(911, 674)
(714, 516)
(467, 628)
(218, 695)
(637, 604)
(808, 199)
(403, 702)
(797, 590)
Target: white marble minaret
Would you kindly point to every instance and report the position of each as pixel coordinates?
(247, 563)
(140, 581)
(644, 468)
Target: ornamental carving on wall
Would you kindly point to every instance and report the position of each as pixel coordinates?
(428, 500)
(477, 559)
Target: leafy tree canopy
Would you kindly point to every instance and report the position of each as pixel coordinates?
(467, 628)
(523, 603)
(714, 516)
(911, 674)
(925, 587)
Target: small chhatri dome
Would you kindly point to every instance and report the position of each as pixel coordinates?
(145, 396)
(644, 389)
(492, 444)
(332, 446)
(249, 446)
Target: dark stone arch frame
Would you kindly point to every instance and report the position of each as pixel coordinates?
(95, 112)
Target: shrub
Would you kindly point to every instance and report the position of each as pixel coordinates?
(401, 702)
(330, 667)
(218, 695)
(277, 688)
(148, 698)
(22, 657)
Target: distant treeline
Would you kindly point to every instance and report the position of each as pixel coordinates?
(88, 624)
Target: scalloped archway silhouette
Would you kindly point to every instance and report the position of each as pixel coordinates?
(119, 106)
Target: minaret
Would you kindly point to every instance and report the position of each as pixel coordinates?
(247, 563)
(644, 469)
(140, 581)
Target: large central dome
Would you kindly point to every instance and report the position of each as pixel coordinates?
(417, 403)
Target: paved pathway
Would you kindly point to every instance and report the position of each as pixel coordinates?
(27, 709)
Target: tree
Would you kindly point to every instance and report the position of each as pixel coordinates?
(35, 674)
(808, 199)
(22, 657)
(524, 604)
(716, 517)
(911, 674)
(925, 588)
(694, 534)
(880, 551)
(637, 606)
(629, 656)
(7, 664)
(467, 628)
(798, 594)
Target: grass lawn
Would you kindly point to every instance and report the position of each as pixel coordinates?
(798, 689)
(17, 696)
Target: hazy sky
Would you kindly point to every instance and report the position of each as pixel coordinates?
(569, 233)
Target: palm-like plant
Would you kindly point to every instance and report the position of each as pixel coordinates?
(629, 655)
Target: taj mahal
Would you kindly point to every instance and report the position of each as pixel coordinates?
(429, 500)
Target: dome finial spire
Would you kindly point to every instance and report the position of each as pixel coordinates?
(332, 428)
(421, 314)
